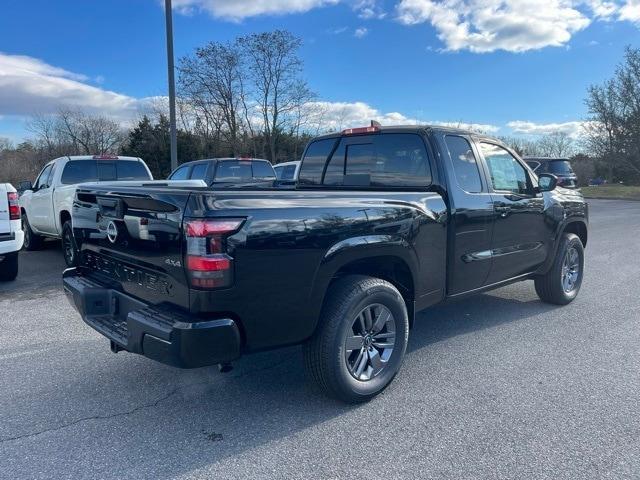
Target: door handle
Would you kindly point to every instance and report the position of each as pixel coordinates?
(503, 210)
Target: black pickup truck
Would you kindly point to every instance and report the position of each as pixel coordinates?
(383, 222)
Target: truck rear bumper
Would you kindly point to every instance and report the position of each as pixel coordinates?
(163, 334)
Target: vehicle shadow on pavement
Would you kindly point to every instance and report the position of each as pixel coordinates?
(144, 406)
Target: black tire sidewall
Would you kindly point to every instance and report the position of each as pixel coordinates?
(390, 298)
(9, 267)
(28, 234)
(67, 231)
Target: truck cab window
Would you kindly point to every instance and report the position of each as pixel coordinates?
(465, 165)
(507, 174)
(198, 172)
(43, 178)
(180, 174)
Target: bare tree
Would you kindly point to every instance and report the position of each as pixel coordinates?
(556, 144)
(211, 81)
(275, 70)
(89, 134)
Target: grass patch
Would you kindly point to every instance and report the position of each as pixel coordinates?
(624, 192)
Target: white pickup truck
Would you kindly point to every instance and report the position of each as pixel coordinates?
(46, 204)
(11, 236)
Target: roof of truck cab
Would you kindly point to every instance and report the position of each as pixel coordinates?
(223, 159)
(101, 157)
(406, 129)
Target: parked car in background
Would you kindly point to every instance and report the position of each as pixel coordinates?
(11, 235)
(560, 167)
(46, 204)
(287, 171)
(596, 182)
(383, 223)
(227, 172)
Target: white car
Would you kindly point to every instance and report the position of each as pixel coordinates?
(46, 205)
(287, 171)
(11, 235)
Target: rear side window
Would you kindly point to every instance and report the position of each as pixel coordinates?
(387, 160)
(181, 173)
(131, 170)
(263, 170)
(465, 165)
(199, 171)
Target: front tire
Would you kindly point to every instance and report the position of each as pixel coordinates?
(9, 267)
(69, 248)
(561, 284)
(361, 339)
(32, 241)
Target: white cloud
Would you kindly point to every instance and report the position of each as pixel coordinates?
(574, 128)
(360, 32)
(29, 85)
(488, 25)
(236, 10)
(334, 116)
(368, 9)
(631, 11)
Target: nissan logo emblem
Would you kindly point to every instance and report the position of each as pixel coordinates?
(112, 232)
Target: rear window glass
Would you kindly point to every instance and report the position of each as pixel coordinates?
(131, 170)
(181, 173)
(263, 170)
(560, 166)
(232, 171)
(288, 172)
(199, 171)
(314, 160)
(83, 171)
(392, 160)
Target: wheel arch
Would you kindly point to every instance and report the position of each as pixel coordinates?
(393, 263)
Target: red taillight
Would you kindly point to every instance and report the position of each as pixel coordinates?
(14, 208)
(208, 263)
(356, 131)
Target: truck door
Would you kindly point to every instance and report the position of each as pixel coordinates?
(521, 237)
(470, 228)
(41, 203)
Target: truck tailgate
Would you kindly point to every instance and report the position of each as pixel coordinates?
(132, 238)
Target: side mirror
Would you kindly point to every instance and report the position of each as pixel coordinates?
(547, 182)
(24, 186)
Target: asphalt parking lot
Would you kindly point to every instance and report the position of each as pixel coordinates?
(498, 386)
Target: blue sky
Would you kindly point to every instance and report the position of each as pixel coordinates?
(513, 66)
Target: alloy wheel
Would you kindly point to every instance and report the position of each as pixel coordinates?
(370, 342)
(570, 270)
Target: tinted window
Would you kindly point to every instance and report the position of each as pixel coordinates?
(288, 172)
(506, 172)
(532, 164)
(107, 171)
(181, 173)
(394, 160)
(465, 165)
(313, 162)
(79, 171)
(131, 170)
(233, 171)
(199, 171)
(560, 166)
(263, 170)
(43, 178)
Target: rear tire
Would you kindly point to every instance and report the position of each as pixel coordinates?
(32, 241)
(9, 267)
(69, 248)
(360, 341)
(561, 284)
